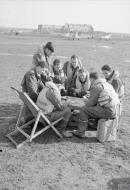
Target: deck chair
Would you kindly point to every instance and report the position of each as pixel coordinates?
(39, 116)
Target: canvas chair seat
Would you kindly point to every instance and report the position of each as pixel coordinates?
(39, 116)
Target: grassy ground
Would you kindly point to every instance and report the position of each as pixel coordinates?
(70, 164)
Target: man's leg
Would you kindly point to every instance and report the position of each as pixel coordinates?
(82, 124)
(94, 112)
(26, 115)
(66, 113)
(99, 112)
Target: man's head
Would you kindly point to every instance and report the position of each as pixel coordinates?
(49, 48)
(40, 67)
(57, 64)
(74, 61)
(82, 75)
(106, 70)
(94, 76)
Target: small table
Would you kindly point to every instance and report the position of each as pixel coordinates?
(74, 102)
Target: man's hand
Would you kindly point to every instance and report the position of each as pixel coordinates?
(77, 90)
(65, 105)
(88, 94)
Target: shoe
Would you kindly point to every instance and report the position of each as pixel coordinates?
(67, 134)
(79, 134)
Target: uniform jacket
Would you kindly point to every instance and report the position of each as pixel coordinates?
(103, 94)
(32, 84)
(58, 76)
(115, 81)
(71, 74)
(68, 69)
(84, 87)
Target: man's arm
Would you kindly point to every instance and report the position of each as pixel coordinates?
(65, 68)
(116, 85)
(52, 97)
(32, 86)
(93, 99)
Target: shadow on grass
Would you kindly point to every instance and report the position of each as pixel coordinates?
(8, 119)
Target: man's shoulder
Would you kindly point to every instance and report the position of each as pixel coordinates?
(66, 64)
(98, 87)
(31, 72)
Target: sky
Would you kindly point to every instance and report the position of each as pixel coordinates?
(103, 15)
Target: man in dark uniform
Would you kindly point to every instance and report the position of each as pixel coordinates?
(32, 85)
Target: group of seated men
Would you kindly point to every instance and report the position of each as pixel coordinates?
(46, 84)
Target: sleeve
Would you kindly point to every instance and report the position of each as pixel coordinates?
(88, 81)
(80, 63)
(23, 84)
(65, 68)
(52, 97)
(38, 56)
(32, 86)
(93, 99)
(62, 77)
(116, 85)
(40, 86)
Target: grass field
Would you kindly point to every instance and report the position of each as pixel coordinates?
(72, 164)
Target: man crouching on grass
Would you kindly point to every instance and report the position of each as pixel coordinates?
(102, 104)
(49, 101)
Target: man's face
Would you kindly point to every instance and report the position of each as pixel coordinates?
(48, 52)
(57, 67)
(106, 74)
(39, 70)
(82, 76)
(74, 62)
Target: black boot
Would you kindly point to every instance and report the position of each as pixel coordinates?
(82, 126)
(63, 131)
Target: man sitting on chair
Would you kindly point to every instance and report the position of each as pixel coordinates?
(102, 103)
(49, 101)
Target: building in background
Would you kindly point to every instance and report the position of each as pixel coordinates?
(80, 28)
(49, 28)
(70, 31)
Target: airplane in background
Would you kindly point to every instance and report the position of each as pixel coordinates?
(76, 36)
(106, 37)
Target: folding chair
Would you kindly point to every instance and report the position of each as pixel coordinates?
(38, 116)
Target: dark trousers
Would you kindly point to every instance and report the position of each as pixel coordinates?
(65, 113)
(97, 112)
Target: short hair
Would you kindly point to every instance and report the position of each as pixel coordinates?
(74, 57)
(49, 46)
(56, 61)
(81, 71)
(106, 68)
(94, 75)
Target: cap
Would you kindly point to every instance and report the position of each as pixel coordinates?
(50, 46)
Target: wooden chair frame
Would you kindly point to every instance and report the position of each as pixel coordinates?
(38, 116)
